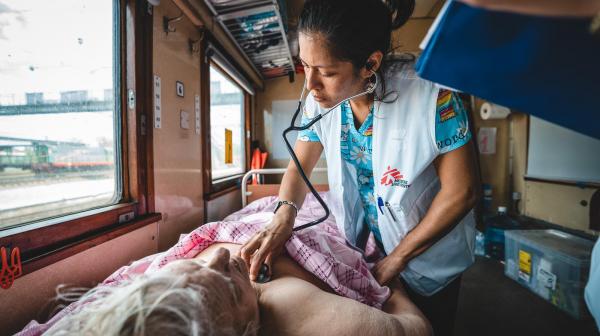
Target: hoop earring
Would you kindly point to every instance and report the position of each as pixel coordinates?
(373, 82)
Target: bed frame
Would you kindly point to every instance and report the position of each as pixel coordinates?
(251, 192)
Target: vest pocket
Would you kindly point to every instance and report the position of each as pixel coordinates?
(450, 256)
(420, 283)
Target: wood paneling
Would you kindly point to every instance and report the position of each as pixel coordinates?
(178, 159)
(559, 204)
(519, 134)
(495, 167)
(408, 37)
(221, 207)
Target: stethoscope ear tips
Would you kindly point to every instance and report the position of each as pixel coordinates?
(263, 275)
(372, 85)
(371, 88)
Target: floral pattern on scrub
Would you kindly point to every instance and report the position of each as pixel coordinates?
(451, 131)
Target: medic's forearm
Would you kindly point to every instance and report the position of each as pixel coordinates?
(292, 189)
(446, 211)
(292, 186)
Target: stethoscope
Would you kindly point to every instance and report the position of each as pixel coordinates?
(264, 274)
(370, 89)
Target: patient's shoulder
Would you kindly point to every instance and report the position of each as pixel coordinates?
(286, 272)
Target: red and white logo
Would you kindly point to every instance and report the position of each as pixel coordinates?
(393, 177)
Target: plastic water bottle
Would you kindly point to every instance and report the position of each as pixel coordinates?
(494, 232)
(480, 244)
(487, 199)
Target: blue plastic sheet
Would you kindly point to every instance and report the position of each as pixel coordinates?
(547, 67)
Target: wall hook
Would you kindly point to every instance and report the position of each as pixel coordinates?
(194, 45)
(167, 23)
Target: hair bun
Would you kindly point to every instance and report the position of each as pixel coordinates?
(401, 11)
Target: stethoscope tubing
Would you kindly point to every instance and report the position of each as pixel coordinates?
(313, 121)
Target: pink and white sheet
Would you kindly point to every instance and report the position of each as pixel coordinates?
(321, 250)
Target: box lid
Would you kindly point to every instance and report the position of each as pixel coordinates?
(563, 243)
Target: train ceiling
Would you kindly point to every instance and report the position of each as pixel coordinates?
(260, 30)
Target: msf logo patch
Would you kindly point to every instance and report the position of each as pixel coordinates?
(393, 177)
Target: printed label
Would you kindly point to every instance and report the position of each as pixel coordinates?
(228, 146)
(524, 265)
(545, 276)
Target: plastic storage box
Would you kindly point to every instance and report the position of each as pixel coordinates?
(553, 264)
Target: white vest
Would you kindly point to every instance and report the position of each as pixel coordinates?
(403, 141)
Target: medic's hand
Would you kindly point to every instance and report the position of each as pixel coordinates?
(388, 268)
(268, 243)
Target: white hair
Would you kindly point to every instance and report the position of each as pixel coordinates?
(165, 303)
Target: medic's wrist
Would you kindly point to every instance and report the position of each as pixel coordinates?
(400, 257)
(289, 205)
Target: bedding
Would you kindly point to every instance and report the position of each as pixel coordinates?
(320, 249)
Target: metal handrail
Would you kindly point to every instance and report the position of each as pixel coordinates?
(266, 171)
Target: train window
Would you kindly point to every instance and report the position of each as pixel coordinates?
(227, 125)
(58, 120)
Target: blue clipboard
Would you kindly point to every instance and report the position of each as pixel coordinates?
(547, 67)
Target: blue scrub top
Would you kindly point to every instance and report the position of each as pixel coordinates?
(357, 147)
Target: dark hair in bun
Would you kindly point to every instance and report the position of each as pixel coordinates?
(401, 11)
(354, 29)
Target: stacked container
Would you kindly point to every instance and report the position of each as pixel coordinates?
(553, 264)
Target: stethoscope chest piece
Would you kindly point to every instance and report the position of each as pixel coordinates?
(263, 275)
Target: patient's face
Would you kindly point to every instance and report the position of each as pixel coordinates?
(229, 275)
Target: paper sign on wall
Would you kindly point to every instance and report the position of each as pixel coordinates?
(228, 146)
(157, 102)
(487, 140)
(184, 119)
(197, 111)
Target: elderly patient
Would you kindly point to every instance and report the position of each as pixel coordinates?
(201, 287)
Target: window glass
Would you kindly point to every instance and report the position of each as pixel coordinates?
(58, 148)
(226, 126)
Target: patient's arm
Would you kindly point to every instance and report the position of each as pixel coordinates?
(400, 306)
(298, 307)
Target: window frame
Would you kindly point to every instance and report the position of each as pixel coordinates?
(47, 241)
(215, 189)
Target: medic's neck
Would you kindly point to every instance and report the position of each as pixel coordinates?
(361, 105)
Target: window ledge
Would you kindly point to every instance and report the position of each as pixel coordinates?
(58, 220)
(68, 250)
(228, 178)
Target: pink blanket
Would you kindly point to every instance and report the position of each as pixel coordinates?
(321, 250)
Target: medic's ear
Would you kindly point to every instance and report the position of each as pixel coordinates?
(369, 66)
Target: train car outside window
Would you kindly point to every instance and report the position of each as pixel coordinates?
(59, 124)
(227, 126)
